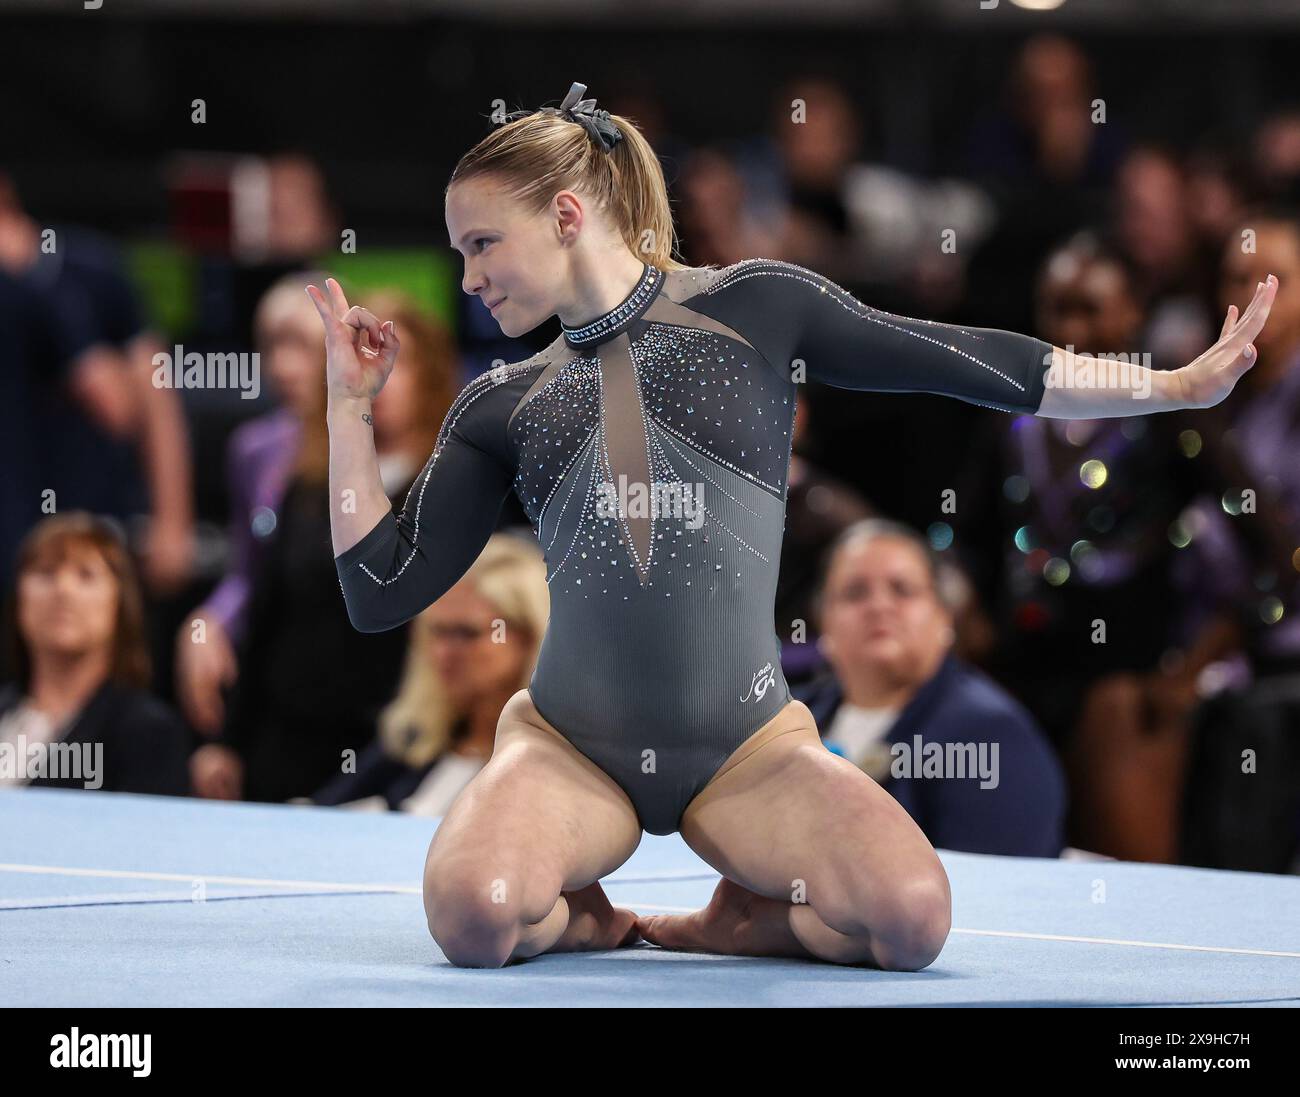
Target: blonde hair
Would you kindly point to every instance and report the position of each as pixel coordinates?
(286, 297)
(510, 573)
(538, 153)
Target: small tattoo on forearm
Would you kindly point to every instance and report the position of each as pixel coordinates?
(368, 418)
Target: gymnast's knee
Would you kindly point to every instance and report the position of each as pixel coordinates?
(903, 929)
(471, 928)
(914, 927)
(477, 921)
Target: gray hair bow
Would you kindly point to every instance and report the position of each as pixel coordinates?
(597, 123)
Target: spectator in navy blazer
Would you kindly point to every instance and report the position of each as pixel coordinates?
(964, 758)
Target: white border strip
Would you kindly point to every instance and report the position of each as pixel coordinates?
(1131, 944)
(249, 881)
(403, 889)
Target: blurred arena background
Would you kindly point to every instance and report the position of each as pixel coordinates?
(1103, 173)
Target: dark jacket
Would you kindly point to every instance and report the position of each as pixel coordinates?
(378, 773)
(146, 746)
(1024, 815)
(310, 686)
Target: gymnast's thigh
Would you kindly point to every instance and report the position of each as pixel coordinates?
(539, 811)
(790, 811)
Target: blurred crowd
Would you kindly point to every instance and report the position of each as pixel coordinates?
(1113, 603)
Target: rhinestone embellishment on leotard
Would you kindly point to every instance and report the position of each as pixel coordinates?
(621, 316)
(768, 268)
(703, 398)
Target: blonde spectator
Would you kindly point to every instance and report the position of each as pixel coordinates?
(308, 687)
(469, 652)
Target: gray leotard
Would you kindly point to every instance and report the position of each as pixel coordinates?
(660, 655)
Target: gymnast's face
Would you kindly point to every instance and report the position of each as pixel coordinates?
(514, 260)
(881, 613)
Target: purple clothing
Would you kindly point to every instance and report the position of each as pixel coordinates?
(259, 459)
(1267, 429)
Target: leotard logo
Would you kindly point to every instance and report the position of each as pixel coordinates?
(765, 676)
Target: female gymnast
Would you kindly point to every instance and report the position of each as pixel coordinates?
(649, 446)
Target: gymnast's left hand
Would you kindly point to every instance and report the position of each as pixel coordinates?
(1208, 380)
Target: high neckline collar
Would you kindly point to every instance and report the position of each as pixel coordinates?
(622, 316)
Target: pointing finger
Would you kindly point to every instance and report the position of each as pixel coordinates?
(322, 306)
(336, 295)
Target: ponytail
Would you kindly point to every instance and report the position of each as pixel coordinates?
(536, 154)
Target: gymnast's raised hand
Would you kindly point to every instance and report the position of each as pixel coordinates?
(1208, 380)
(360, 352)
(1140, 390)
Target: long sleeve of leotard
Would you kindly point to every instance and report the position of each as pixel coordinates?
(804, 318)
(410, 559)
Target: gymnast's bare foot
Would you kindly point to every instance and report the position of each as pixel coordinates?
(735, 923)
(595, 924)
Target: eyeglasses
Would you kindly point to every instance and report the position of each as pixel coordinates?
(456, 634)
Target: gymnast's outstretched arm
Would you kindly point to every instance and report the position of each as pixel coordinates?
(818, 331)
(392, 566)
(1109, 392)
